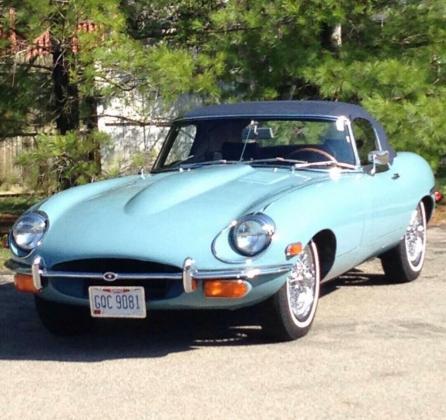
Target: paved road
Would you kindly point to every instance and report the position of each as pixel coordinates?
(375, 351)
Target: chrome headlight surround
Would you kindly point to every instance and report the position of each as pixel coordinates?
(252, 234)
(28, 232)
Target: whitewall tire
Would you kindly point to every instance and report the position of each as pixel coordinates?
(404, 262)
(289, 314)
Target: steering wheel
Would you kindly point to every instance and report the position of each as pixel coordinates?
(314, 150)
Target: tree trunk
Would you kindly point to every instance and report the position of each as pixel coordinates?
(66, 94)
(66, 104)
(331, 37)
(91, 122)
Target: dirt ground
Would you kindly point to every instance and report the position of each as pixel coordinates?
(439, 217)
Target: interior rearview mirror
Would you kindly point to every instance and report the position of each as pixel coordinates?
(259, 133)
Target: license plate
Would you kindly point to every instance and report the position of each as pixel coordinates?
(117, 302)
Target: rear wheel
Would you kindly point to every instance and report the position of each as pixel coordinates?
(404, 262)
(289, 314)
(61, 319)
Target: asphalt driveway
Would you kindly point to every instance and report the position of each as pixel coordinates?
(376, 350)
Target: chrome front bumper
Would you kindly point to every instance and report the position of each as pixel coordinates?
(187, 276)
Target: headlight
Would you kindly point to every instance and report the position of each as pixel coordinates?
(252, 234)
(29, 230)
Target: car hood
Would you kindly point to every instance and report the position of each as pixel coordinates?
(163, 217)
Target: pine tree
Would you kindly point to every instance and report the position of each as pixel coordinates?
(388, 56)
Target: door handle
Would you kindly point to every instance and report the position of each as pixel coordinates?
(396, 175)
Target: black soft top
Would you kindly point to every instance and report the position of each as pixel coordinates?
(290, 109)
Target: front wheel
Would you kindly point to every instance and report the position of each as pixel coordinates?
(404, 262)
(61, 319)
(289, 314)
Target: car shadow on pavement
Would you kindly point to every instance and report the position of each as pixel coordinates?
(355, 277)
(22, 336)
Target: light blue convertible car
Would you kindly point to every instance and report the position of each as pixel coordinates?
(247, 204)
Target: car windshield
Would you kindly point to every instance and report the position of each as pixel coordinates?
(298, 142)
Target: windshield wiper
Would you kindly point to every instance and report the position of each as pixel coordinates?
(324, 163)
(275, 160)
(178, 166)
(206, 163)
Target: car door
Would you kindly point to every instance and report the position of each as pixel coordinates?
(382, 190)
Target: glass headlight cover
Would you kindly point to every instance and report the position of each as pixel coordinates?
(252, 234)
(29, 229)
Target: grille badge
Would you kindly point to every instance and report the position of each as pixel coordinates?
(109, 276)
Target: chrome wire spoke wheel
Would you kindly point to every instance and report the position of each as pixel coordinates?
(404, 261)
(289, 313)
(415, 238)
(303, 286)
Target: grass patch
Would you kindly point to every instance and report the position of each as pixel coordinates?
(4, 255)
(17, 205)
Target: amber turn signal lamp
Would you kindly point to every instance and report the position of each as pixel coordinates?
(293, 249)
(194, 284)
(225, 288)
(24, 283)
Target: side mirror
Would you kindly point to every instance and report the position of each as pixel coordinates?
(378, 158)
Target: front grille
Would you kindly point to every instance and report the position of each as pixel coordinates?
(116, 265)
(154, 288)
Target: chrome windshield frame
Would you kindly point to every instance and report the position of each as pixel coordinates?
(170, 138)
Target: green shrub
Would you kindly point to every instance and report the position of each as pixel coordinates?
(58, 162)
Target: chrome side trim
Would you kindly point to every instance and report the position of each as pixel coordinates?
(242, 273)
